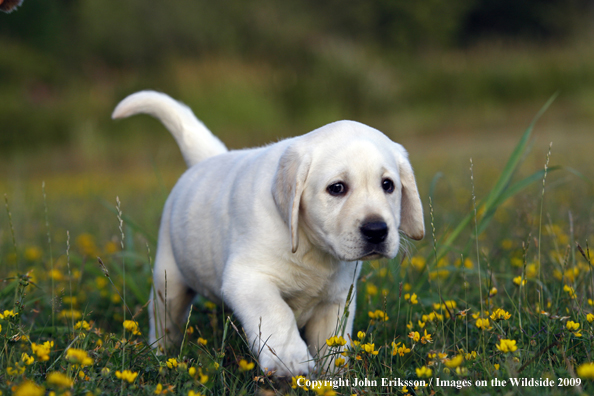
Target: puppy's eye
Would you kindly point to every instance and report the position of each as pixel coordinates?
(388, 186)
(337, 189)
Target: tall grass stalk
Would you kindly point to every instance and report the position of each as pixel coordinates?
(436, 268)
(49, 244)
(540, 295)
(119, 214)
(69, 279)
(12, 233)
(478, 256)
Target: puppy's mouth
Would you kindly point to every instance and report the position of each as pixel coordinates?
(373, 254)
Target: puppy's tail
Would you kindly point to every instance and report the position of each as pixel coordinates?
(195, 141)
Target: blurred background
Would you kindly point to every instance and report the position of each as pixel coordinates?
(448, 80)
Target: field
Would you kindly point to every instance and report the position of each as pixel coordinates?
(501, 287)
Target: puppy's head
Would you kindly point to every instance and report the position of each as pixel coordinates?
(350, 189)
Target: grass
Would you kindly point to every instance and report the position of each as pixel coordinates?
(501, 288)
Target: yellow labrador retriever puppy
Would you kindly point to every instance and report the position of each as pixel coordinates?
(276, 232)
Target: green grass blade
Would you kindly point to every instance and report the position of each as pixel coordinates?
(510, 192)
(515, 158)
(493, 199)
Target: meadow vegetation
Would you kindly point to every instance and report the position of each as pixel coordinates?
(501, 287)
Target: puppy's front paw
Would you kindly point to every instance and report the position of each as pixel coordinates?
(287, 360)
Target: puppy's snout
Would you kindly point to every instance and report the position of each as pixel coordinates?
(374, 231)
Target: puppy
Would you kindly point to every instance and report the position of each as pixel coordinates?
(276, 232)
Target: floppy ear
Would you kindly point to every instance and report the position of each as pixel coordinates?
(287, 188)
(411, 210)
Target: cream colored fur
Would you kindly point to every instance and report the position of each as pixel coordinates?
(260, 230)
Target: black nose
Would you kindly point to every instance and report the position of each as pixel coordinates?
(375, 231)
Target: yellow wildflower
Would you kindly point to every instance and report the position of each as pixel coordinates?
(171, 363)
(101, 282)
(28, 360)
(531, 270)
(518, 281)
(8, 314)
(421, 324)
(86, 244)
(371, 289)
(517, 262)
(462, 371)
(29, 388)
(192, 393)
(336, 341)
(426, 338)
(32, 253)
(586, 371)
(84, 325)
(399, 350)
(245, 366)
(499, 314)
(493, 292)
(574, 327)
(496, 366)
(127, 375)
(507, 346)
(411, 298)
(414, 335)
(418, 263)
(432, 316)
(18, 370)
(42, 351)
(483, 324)
(325, 390)
(296, 381)
(590, 318)
(111, 247)
(454, 362)
(339, 362)
(58, 380)
(470, 355)
(203, 377)
(424, 372)
(70, 314)
(378, 314)
(202, 341)
(369, 349)
(361, 335)
(132, 327)
(158, 389)
(468, 263)
(78, 356)
(570, 291)
(440, 273)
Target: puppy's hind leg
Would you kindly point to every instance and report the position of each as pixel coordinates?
(169, 302)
